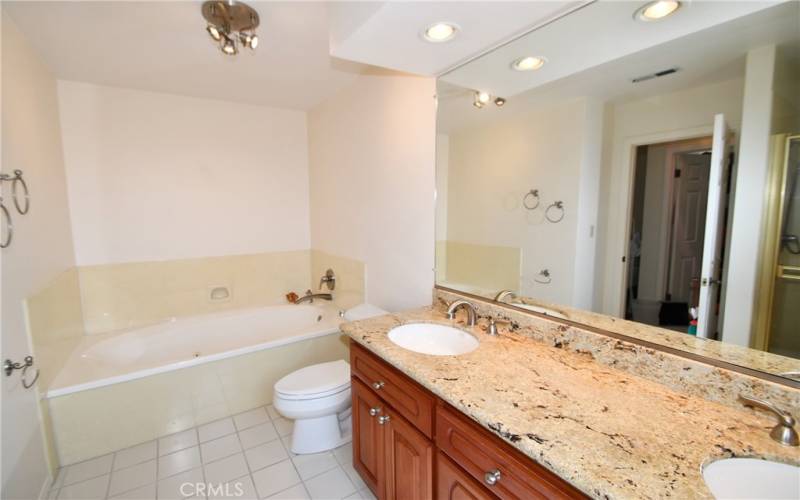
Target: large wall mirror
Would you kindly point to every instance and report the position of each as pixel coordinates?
(642, 178)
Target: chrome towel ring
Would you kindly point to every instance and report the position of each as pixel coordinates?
(555, 212)
(9, 367)
(543, 277)
(9, 231)
(19, 180)
(534, 197)
(22, 202)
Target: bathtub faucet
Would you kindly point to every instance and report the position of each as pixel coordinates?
(309, 297)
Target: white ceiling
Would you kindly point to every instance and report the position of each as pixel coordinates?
(388, 34)
(597, 33)
(163, 47)
(714, 54)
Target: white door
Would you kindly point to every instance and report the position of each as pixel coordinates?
(688, 229)
(712, 265)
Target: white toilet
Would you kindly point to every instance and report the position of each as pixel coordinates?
(317, 398)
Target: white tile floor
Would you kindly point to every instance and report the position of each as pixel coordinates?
(243, 457)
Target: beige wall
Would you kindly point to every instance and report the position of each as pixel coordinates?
(41, 251)
(371, 153)
(650, 120)
(491, 168)
(122, 296)
(156, 176)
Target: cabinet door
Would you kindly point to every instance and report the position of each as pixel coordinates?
(368, 436)
(452, 483)
(409, 460)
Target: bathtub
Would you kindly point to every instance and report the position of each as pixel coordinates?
(102, 360)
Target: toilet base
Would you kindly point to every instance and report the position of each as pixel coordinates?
(315, 435)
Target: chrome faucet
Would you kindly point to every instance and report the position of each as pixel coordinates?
(784, 431)
(309, 297)
(456, 304)
(502, 294)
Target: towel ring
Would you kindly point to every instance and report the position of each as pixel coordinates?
(534, 194)
(9, 225)
(26, 384)
(556, 205)
(18, 179)
(545, 277)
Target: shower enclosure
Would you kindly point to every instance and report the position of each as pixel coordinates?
(782, 272)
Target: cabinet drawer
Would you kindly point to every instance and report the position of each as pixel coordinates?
(452, 483)
(410, 400)
(480, 453)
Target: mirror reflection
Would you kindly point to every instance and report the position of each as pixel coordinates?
(647, 172)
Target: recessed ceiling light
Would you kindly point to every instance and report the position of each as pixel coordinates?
(440, 32)
(654, 11)
(528, 63)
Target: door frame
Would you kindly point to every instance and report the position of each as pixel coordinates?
(621, 209)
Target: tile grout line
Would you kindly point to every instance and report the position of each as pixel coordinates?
(108, 486)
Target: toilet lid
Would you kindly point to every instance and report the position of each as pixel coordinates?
(315, 380)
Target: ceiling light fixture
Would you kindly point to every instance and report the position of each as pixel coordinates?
(440, 32)
(528, 63)
(480, 98)
(499, 102)
(654, 11)
(230, 23)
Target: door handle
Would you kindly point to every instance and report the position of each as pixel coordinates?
(789, 273)
(374, 411)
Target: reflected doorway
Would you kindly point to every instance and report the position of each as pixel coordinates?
(667, 230)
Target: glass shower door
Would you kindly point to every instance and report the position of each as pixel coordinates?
(784, 332)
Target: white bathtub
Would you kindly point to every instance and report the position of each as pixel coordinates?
(101, 360)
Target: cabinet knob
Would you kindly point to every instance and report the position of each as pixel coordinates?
(492, 477)
(378, 385)
(374, 411)
(382, 420)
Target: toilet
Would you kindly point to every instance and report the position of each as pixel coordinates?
(317, 398)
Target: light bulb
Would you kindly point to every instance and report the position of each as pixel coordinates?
(440, 32)
(659, 9)
(499, 102)
(213, 31)
(528, 63)
(253, 41)
(229, 47)
(483, 97)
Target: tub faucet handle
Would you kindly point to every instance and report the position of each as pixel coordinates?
(329, 278)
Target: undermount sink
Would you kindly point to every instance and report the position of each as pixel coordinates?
(428, 338)
(542, 310)
(752, 478)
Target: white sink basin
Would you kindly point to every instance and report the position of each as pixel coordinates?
(439, 340)
(541, 310)
(752, 478)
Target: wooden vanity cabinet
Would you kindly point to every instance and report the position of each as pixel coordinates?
(410, 445)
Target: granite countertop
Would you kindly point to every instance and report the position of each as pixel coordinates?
(611, 434)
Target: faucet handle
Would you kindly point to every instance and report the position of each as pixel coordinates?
(493, 324)
(784, 431)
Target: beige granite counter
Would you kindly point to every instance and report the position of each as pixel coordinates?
(609, 433)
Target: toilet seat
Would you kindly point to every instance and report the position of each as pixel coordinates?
(315, 382)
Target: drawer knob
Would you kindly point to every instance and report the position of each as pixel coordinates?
(492, 477)
(374, 411)
(382, 420)
(378, 385)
